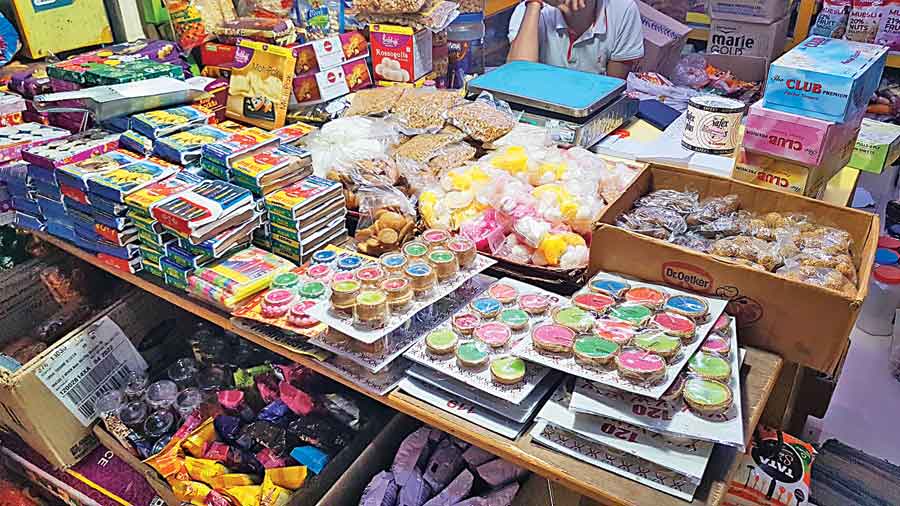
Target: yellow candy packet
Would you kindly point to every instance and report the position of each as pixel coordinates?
(290, 478)
(272, 494)
(191, 491)
(247, 495)
(226, 481)
(195, 443)
(204, 469)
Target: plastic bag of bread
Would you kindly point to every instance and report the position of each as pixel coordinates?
(452, 156)
(812, 257)
(820, 276)
(484, 120)
(749, 248)
(682, 202)
(387, 220)
(713, 208)
(659, 222)
(374, 101)
(829, 239)
(343, 141)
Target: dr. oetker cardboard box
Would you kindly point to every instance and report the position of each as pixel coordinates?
(742, 38)
(800, 139)
(877, 146)
(803, 323)
(664, 38)
(824, 78)
(753, 11)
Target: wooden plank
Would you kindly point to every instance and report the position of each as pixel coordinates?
(760, 372)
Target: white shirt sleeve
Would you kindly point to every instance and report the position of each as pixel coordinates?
(515, 21)
(628, 31)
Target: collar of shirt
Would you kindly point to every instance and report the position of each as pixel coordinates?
(597, 28)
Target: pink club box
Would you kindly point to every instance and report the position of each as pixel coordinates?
(800, 139)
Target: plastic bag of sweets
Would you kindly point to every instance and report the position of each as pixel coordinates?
(776, 470)
(832, 19)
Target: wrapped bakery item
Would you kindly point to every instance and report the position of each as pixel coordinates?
(389, 6)
(659, 222)
(682, 202)
(813, 257)
(346, 140)
(451, 156)
(748, 248)
(828, 239)
(711, 209)
(424, 147)
(820, 276)
(421, 110)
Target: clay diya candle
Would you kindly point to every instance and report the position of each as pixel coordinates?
(687, 305)
(595, 302)
(415, 250)
(638, 365)
(634, 314)
(422, 277)
(399, 293)
(370, 276)
(371, 309)
(493, 334)
(609, 287)
(465, 323)
(435, 238)
(393, 263)
(486, 307)
(343, 294)
(676, 325)
(707, 397)
(472, 354)
(553, 338)
(646, 296)
(445, 264)
(593, 350)
(717, 345)
(276, 303)
(574, 318)
(533, 303)
(661, 344)
(441, 341)
(619, 332)
(515, 319)
(710, 366)
(464, 249)
(508, 370)
(503, 292)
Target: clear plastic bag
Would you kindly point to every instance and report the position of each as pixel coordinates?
(832, 19)
(748, 248)
(423, 111)
(691, 72)
(657, 222)
(484, 120)
(713, 208)
(345, 140)
(435, 15)
(451, 156)
(655, 86)
(681, 202)
(194, 21)
(424, 147)
(819, 276)
(374, 101)
(268, 30)
(278, 9)
(389, 6)
(812, 257)
(523, 134)
(387, 219)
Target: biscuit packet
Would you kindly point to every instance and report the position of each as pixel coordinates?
(260, 86)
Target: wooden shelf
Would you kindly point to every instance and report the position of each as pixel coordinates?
(759, 374)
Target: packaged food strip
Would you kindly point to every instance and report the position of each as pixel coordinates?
(672, 416)
(664, 371)
(629, 466)
(401, 338)
(684, 456)
(520, 413)
(482, 338)
(345, 323)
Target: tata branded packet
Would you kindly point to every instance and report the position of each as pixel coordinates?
(827, 79)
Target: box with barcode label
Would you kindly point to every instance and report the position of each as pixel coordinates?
(49, 401)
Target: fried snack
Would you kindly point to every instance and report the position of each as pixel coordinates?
(423, 110)
(451, 157)
(658, 222)
(828, 239)
(683, 203)
(387, 233)
(481, 120)
(819, 276)
(748, 248)
(374, 101)
(712, 209)
(424, 147)
(812, 257)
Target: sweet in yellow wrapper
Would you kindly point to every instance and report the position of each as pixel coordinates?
(272, 494)
(290, 478)
(191, 492)
(247, 495)
(226, 481)
(204, 469)
(196, 442)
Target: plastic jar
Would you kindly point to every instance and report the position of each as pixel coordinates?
(884, 256)
(876, 316)
(465, 41)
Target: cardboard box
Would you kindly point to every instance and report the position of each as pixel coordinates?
(329, 52)
(748, 39)
(877, 146)
(399, 53)
(806, 324)
(379, 455)
(329, 84)
(664, 38)
(761, 170)
(753, 11)
(806, 141)
(41, 399)
(745, 68)
(824, 78)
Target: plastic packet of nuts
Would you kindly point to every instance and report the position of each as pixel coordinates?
(374, 101)
(423, 111)
(435, 15)
(749, 248)
(424, 147)
(452, 156)
(484, 120)
(825, 277)
(389, 6)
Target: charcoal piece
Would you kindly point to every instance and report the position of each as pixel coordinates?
(412, 455)
(500, 472)
(445, 463)
(455, 491)
(475, 456)
(415, 491)
(381, 491)
(268, 435)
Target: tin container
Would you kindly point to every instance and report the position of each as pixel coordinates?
(711, 124)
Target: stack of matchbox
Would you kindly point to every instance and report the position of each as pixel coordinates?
(804, 130)
(748, 27)
(305, 216)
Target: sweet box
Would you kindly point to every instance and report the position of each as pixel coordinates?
(332, 83)
(329, 52)
(399, 53)
(162, 122)
(824, 78)
(802, 140)
(877, 146)
(761, 170)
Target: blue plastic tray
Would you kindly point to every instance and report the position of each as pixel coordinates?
(556, 89)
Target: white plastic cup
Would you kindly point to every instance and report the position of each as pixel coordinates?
(877, 314)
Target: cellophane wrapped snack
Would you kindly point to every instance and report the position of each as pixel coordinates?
(374, 101)
(451, 156)
(484, 119)
(790, 244)
(346, 140)
(389, 6)
(424, 147)
(194, 21)
(435, 15)
(422, 110)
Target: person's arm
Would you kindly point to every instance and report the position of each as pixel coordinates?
(628, 48)
(524, 32)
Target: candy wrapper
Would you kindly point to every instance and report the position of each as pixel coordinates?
(269, 30)
(311, 457)
(290, 478)
(273, 495)
(194, 20)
